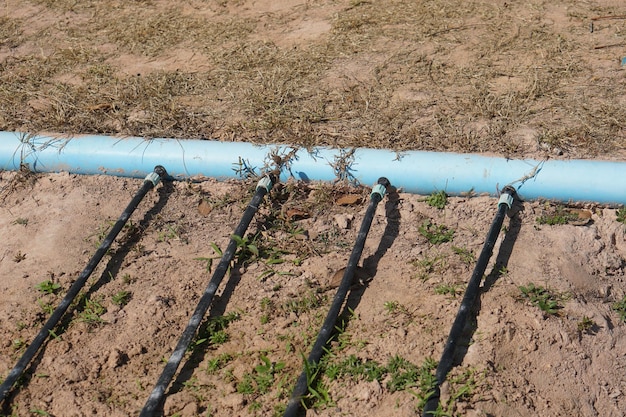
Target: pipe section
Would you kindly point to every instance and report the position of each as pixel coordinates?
(416, 171)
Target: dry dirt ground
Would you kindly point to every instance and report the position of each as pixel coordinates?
(514, 78)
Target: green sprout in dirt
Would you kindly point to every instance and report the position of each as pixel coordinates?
(261, 380)
(46, 307)
(436, 234)
(247, 249)
(209, 260)
(217, 363)
(121, 298)
(396, 308)
(317, 392)
(586, 325)
(621, 215)
(447, 289)
(438, 199)
(558, 216)
(542, 298)
(214, 330)
(429, 265)
(303, 304)
(91, 312)
(47, 287)
(467, 257)
(620, 308)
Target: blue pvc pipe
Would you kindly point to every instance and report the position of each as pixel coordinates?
(413, 171)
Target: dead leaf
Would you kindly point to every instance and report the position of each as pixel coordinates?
(584, 217)
(204, 208)
(296, 214)
(348, 200)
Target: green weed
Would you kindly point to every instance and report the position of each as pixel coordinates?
(403, 374)
(317, 392)
(621, 215)
(46, 307)
(121, 298)
(620, 308)
(247, 249)
(586, 325)
(542, 298)
(437, 199)
(428, 265)
(170, 233)
(91, 312)
(435, 234)
(47, 287)
(215, 364)
(356, 369)
(261, 379)
(209, 260)
(303, 304)
(558, 216)
(214, 330)
(446, 289)
(467, 257)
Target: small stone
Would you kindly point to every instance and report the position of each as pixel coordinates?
(343, 220)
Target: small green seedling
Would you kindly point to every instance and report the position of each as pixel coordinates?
(247, 249)
(47, 287)
(446, 289)
(317, 392)
(438, 200)
(217, 363)
(92, 312)
(541, 297)
(467, 257)
(621, 215)
(560, 215)
(261, 380)
(436, 234)
(121, 298)
(586, 325)
(620, 308)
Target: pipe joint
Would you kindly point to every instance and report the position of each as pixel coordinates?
(506, 198)
(265, 182)
(380, 188)
(154, 178)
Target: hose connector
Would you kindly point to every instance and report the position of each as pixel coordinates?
(507, 196)
(266, 182)
(155, 176)
(380, 188)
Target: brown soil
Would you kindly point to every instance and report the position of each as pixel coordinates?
(516, 79)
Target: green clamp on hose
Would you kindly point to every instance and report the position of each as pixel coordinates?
(265, 182)
(155, 176)
(507, 196)
(380, 188)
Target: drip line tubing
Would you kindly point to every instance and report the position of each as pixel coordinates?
(471, 293)
(156, 396)
(149, 183)
(325, 334)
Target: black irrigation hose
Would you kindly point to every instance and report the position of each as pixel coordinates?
(325, 334)
(156, 396)
(149, 183)
(446, 362)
